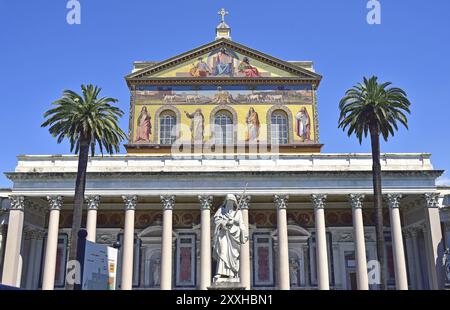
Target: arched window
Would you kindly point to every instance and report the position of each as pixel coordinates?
(279, 127)
(167, 123)
(223, 128)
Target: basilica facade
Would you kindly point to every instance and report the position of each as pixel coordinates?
(227, 119)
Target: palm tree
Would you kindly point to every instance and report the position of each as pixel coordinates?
(88, 122)
(377, 109)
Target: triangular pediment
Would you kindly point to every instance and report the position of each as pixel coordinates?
(223, 59)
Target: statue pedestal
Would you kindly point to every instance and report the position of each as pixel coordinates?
(233, 284)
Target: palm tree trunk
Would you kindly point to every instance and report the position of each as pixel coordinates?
(377, 200)
(78, 204)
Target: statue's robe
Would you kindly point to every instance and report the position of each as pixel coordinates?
(228, 240)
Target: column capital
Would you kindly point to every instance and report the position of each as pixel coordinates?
(92, 202)
(29, 233)
(205, 201)
(406, 232)
(40, 234)
(244, 201)
(130, 202)
(356, 200)
(422, 228)
(394, 200)
(413, 232)
(432, 200)
(281, 201)
(55, 202)
(167, 201)
(17, 203)
(318, 200)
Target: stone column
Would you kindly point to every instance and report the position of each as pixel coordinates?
(205, 241)
(244, 269)
(3, 228)
(91, 221)
(401, 278)
(40, 235)
(360, 244)
(416, 256)
(434, 239)
(283, 249)
(168, 202)
(13, 241)
(48, 281)
(323, 280)
(31, 259)
(128, 242)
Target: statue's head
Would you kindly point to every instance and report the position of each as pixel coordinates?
(230, 198)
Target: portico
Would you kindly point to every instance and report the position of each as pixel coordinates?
(303, 234)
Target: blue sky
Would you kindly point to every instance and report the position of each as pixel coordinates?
(40, 55)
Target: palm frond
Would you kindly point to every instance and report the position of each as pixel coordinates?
(372, 105)
(86, 116)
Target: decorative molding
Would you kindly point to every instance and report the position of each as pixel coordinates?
(13, 176)
(346, 237)
(187, 81)
(316, 114)
(290, 120)
(244, 201)
(318, 200)
(205, 201)
(131, 127)
(92, 202)
(106, 238)
(281, 201)
(55, 202)
(432, 200)
(130, 202)
(356, 200)
(156, 124)
(394, 200)
(167, 201)
(17, 203)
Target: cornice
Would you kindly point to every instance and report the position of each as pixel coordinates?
(237, 146)
(221, 81)
(60, 175)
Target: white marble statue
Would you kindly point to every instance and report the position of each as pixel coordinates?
(230, 232)
(156, 272)
(293, 272)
